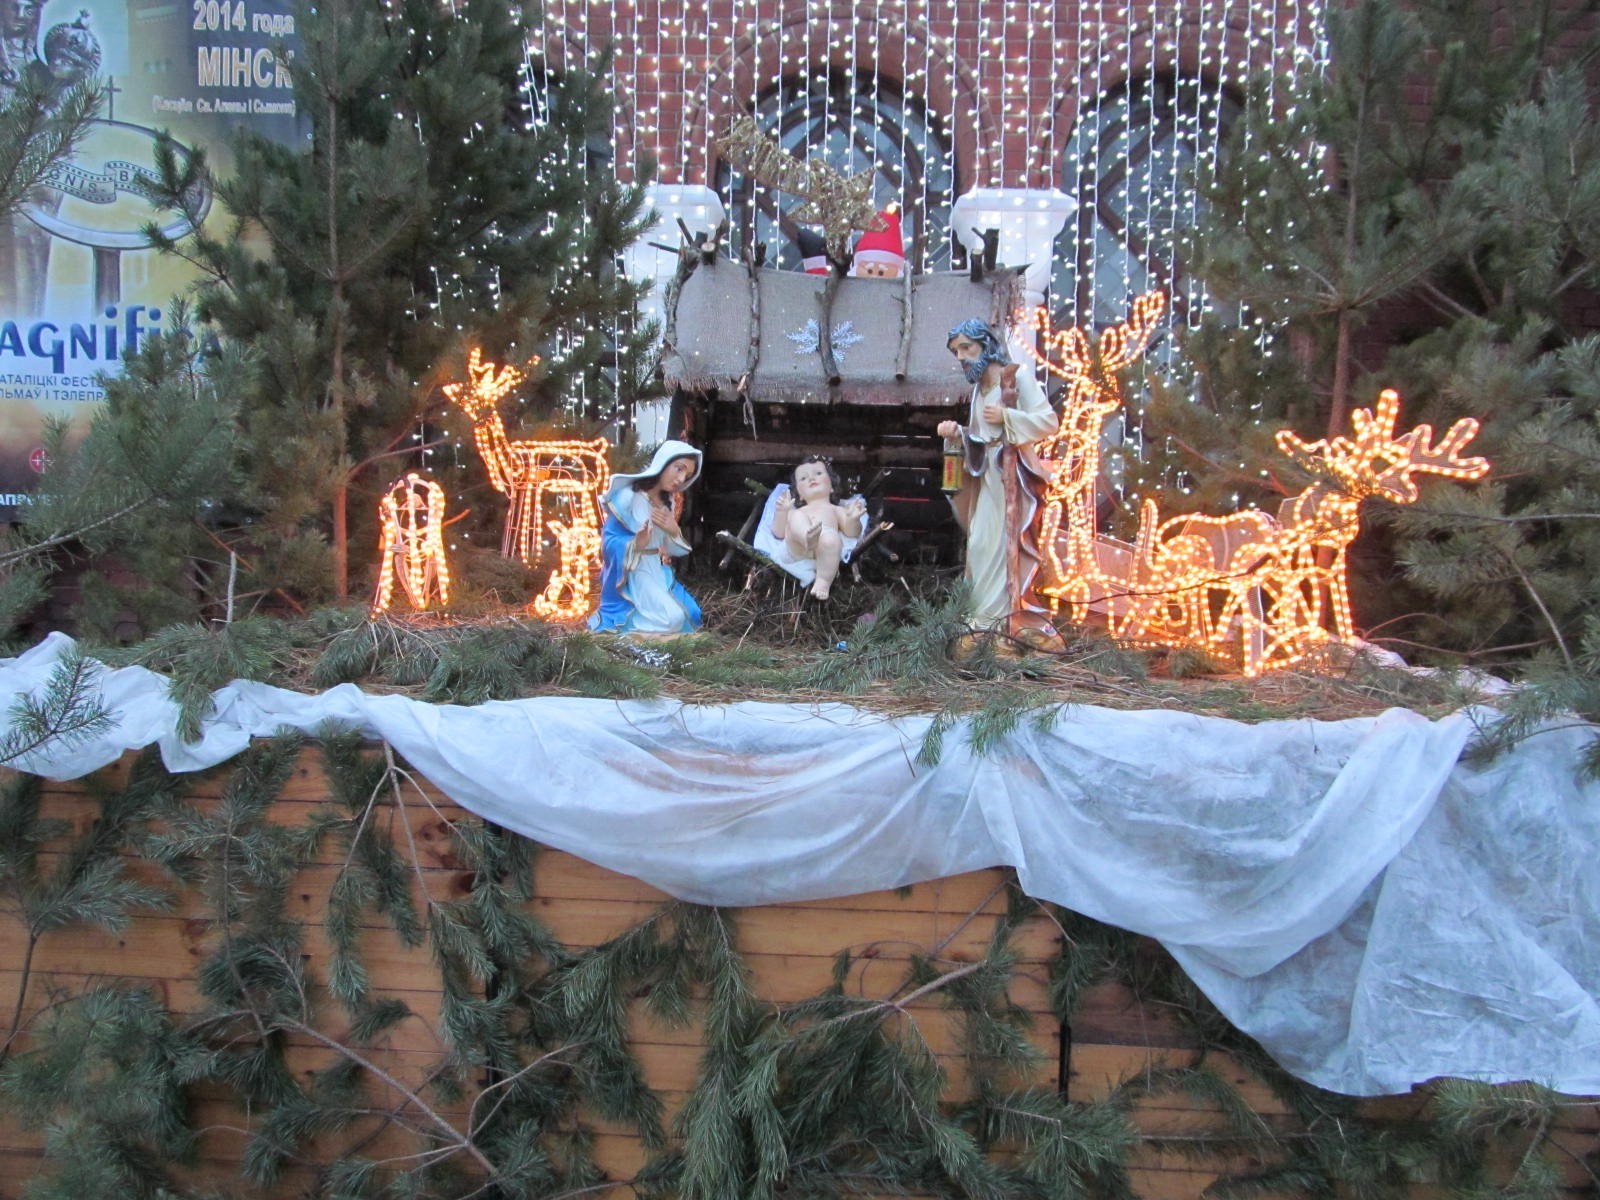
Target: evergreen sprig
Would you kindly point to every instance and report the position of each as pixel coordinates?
(67, 710)
(154, 465)
(40, 128)
(1554, 697)
(911, 643)
(85, 881)
(199, 659)
(107, 1079)
(468, 664)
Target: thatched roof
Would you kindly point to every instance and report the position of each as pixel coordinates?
(889, 334)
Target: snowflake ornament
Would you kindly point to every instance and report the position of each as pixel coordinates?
(808, 338)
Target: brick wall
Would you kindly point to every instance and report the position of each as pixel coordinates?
(1005, 76)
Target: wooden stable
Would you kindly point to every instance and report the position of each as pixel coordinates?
(790, 950)
(769, 367)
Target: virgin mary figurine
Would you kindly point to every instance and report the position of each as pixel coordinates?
(639, 593)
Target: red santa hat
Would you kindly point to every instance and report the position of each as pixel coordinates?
(883, 245)
(813, 251)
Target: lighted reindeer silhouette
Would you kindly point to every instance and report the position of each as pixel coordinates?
(1281, 582)
(544, 480)
(1275, 583)
(411, 550)
(1083, 570)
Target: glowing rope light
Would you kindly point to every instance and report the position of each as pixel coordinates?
(1082, 569)
(1275, 584)
(545, 480)
(569, 477)
(411, 546)
(984, 56)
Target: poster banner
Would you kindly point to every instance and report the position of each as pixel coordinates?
(78, 286)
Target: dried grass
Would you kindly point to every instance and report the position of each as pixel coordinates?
(785, 634)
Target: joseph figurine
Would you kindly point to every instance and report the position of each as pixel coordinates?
(1003, 482)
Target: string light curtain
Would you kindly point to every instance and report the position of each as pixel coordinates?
(855, 122)
(1130, 165)
(1112, 103)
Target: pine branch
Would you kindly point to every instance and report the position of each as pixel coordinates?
(198, 659)
(40, 130)
(107, 1076)
(89, 885)
(1544, 610)
(462, 1142)
(32, 552)
(69, 710)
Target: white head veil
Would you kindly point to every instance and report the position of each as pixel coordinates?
(664, 454)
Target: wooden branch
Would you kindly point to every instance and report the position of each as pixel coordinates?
(864, 543)
(449, 1132)
(741, 546)
(708, 246)
(750, 521)
(830, 368)
(871, 535)
(250, 566)
(752, 356)
(902, 359)
(688, 260)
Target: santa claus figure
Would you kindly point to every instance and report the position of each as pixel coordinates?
(880, 254)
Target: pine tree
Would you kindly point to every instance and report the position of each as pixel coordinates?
(1423, 214)
(38, 131)
(440, 201)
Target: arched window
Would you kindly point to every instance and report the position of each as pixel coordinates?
(1130, 164)
(856, 123)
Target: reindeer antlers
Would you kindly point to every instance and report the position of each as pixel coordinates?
(484, 385)
(1067, 353)
(1123, 344)
(1354, 463)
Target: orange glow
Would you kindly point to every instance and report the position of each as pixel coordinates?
(1083, 570)
(411, 550)
(560, 479)
(554, 488)
(484, 386)
(1276, 584)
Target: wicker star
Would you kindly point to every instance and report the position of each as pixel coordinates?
(840, 204)
(840, 210)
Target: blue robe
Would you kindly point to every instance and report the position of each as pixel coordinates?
(638, 592)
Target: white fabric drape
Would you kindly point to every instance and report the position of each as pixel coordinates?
(1371, 910)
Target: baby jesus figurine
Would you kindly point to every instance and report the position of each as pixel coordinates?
(816, 527)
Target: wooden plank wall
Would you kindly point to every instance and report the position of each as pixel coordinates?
(790, 949)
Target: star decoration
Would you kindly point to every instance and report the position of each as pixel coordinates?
(840, 204)
(844, 206)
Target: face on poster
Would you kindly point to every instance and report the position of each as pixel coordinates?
(78, 287)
